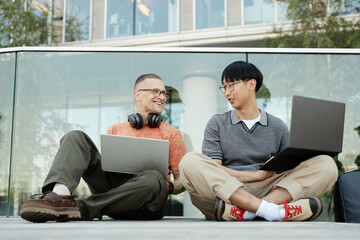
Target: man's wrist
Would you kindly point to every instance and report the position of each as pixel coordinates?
(171, 187)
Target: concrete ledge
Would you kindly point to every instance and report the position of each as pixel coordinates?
(176, 228)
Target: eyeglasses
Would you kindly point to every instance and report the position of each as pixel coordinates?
(229, 87)
(156, 92)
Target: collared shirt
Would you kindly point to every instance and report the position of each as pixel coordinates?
(235, 119)
(227, 138)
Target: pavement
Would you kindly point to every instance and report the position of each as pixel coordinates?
(175, 228)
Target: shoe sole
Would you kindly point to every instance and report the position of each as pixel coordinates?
(218, 207)
(41, 214)
(319, 210)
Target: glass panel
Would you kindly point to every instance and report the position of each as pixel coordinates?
(321, 76)
(120, 18)
(40, 7)
(58, 92)
(7, 69)
(156, 16)
(281, 11)
(210, 14)
(4, 40)
(259, 11)
(345, 7)
(331, 77)
(77, 26)
(41, 11)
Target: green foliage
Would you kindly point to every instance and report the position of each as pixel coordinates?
(73, 29)
(20, 26)
(318, 24)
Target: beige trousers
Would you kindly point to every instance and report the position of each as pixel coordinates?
(206, 181)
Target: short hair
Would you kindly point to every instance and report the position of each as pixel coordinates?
(144, 77)
(241, 70)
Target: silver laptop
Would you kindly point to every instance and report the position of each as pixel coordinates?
(317, 127)
(134, 155)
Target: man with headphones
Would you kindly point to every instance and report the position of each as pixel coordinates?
(117, 195)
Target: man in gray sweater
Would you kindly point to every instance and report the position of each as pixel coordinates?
(225, 182)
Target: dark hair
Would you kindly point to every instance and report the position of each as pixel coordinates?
(144, 77)
(241, 70)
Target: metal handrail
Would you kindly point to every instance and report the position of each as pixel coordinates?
(350, 51)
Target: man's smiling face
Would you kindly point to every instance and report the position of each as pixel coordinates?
(147, 101)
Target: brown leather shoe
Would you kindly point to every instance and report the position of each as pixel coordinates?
(50, 207)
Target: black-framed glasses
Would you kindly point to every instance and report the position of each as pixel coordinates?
(156, 92)
(230, 87)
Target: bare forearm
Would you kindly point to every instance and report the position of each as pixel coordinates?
(242, 176)
(178, 187)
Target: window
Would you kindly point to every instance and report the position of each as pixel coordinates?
(259, 11)
(149, 16)
(281, 11)
(77, 24)
(209, 13)
(156, 16)
(346, 7)
(120, 18)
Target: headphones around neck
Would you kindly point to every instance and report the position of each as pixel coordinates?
(136, 120)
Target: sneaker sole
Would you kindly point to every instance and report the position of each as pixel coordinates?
(218, 207)
(319, 210)
(40, 215)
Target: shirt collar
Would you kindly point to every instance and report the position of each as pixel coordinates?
(235, 119)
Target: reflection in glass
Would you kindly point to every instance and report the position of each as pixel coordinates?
(210, 13)
(259, 11)
(61, 91)
(40, 7)
(77, 26)
(7, 61)
(321, 76)
(89, 92)
(156, 16)
(281, 9)
(120, 15)
(345, 7)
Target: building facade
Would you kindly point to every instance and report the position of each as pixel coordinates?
(184, 23)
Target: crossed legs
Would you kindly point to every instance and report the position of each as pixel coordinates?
(206, 182)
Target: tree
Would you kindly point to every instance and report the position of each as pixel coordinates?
(73, 29)
(20, 25)
(319, 24)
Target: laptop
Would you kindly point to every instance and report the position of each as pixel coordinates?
(317, 127)
(133, 155)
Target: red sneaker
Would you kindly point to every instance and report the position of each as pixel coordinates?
(304, 209)
(227, 212)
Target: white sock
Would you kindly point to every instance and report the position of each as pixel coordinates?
(248, 216)
(269, 211)
(282, 213)
(61, 189)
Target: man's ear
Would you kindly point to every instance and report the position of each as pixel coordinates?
(252, 83)
(136, 95)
